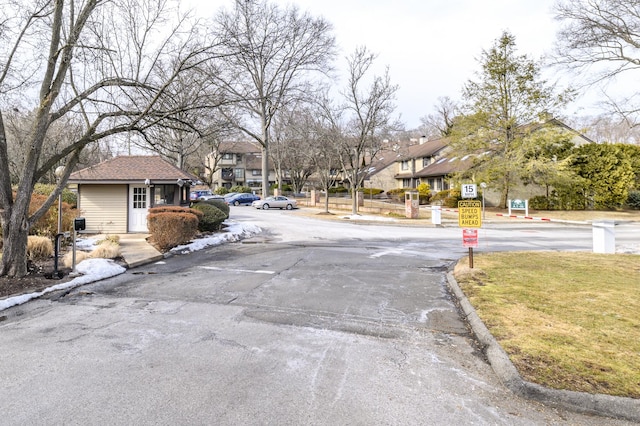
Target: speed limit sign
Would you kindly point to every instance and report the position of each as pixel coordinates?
(469, 190)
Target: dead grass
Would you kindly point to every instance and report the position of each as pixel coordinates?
(567, 320)
(39, 248)
(106, 250)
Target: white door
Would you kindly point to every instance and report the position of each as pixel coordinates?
(138, 208)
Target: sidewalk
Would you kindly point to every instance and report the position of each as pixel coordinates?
(137, 251)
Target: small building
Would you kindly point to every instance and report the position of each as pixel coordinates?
(114, 196)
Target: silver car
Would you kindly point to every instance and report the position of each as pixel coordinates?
(277, 202)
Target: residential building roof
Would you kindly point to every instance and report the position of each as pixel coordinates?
(425, 149)
(131, 168)
(239, 147)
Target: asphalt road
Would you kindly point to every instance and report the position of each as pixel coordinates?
(313, 322)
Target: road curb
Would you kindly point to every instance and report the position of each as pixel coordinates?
(604, 405)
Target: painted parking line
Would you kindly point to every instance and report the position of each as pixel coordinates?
(258, 271)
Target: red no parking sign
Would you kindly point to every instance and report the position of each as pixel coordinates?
(470, 238)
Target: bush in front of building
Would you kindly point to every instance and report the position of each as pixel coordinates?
(241, 189)
(338, 190)
(371, 192)
(68, 196)
(47, 225)
(397, 194)
(447, 198)
(212, 217)
(220, 204)
(171, 226)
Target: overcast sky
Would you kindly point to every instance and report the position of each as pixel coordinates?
(431, 46)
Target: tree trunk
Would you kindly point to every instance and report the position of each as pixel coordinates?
(14, 249)
(265, 173)
(326, 200)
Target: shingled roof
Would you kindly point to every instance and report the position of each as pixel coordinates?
(135, 168)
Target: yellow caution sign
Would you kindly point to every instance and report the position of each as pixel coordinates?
(469, 214)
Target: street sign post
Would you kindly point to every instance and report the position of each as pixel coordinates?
(470, 216)
(469, 190)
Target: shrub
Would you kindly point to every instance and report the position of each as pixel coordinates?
(338, 190)
(372, 191)
(39, 247)
(114, 239)
(539, 202)
(424, 192)
(212, 217)
(171, 225)
(397, 194)
(241, 189)
(47, 225)
(67, 259)
(106, 250)
(284, 188)
(221, 191)
(633, 201)
(448, 197)
(220, 204)
(68, 196)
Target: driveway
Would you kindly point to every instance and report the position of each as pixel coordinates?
(312, 322)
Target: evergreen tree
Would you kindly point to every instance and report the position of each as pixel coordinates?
(498, 109)
(607, 174)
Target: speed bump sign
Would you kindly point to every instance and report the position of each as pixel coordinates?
(469, 214)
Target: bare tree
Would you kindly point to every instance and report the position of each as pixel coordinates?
(325, 135)
(440, 123)
(197, 123)
(291, 144)
(108, 65)
(270, 51)
(601, 36)
(368, 114)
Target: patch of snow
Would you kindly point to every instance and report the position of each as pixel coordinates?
(234, 232)
(99, 269)
(370, 217)
(91, 270)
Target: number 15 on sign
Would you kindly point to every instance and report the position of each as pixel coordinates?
(469, 190)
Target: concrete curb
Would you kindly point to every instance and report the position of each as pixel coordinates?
(605, 405)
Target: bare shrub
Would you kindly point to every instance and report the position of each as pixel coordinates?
(67, 259)
(170, 229)
(39, 248)
(106, 250)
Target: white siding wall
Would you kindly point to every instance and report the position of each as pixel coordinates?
(104, 207)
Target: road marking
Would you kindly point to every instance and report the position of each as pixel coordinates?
(214, 268)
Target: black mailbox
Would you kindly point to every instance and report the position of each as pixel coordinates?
(79, 224)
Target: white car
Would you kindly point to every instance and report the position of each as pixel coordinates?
(278, 202)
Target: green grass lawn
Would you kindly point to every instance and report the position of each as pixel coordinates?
(567, 320)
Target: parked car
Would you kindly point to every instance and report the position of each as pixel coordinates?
(243, 199)
(195, 195)
(278, 202)
(210, 197)
(229, 195)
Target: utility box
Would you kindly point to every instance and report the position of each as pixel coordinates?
(604, 236)
(436, 215)
(412, 204)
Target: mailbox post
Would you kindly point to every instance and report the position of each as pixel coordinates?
(79, 224)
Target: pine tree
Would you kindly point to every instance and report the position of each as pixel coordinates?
(499, 109)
